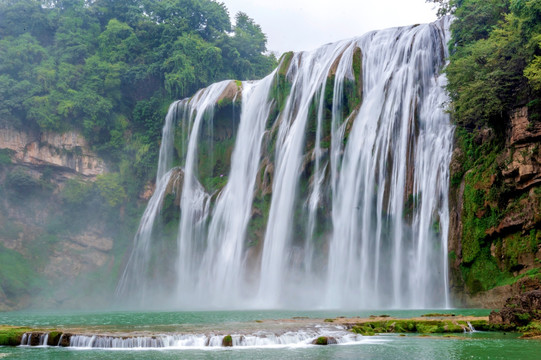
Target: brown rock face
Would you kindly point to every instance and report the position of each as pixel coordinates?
(523, 153)
(65, 340)
(519, 310)
(93, 240)
(522, 130)
(149, 189)
(233, 92)
(69, 151)
(35, 339)
(509, 199)
(175, 184)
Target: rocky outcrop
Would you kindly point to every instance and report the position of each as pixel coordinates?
(55, 246)
(495, 217)
(519, 310)
(174, 187)
(68, 151)
(497, 297)
(523, 153)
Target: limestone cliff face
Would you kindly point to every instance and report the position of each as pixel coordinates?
(523, 153)
(495, 225)
(68, 151)
(50, 248)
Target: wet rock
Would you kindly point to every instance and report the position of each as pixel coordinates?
(54, 338)
(64, 340)
(175, 184)
(35, 339)
(325, 340)
(227, 341)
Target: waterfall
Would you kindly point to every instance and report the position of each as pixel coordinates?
(335, 192)
(173, 341)
(133, 279)
(401, 131)
(222, 262)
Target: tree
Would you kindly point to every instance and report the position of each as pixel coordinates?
(249, 39)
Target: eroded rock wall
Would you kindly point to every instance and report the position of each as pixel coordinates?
(495, 230)
(39, 253)
(69, 152)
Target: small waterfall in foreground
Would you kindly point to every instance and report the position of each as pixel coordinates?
(323, 185)
(258, 339)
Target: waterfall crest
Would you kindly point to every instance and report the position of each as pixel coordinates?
(333, 191)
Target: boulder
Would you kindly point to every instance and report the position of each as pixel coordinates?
(519, 310)
(325, 340)
(227, 341)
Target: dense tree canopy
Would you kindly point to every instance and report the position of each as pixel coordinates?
(109, 67)
(495, 59)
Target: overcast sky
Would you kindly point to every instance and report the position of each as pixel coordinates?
(307, 24)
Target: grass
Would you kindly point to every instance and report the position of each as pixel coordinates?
(415, 326)
(11, 336)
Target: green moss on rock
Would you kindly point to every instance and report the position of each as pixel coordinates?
(227, 341)
(324, 340)
(413, 326)
(11, 336)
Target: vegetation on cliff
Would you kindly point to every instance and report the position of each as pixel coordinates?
(108, 70)
(494, 76)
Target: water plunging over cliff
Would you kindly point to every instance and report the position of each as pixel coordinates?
(333, 193)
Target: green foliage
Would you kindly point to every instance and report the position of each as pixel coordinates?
(21, 181)
(11, 336)
(483, 274)
(494, 66)
(5, 157)
(227, 341)
(106, 68)
(111, 189)
(322, 340)
(412, 326)
(76, 193)
(16, 273)
(533, 70)
(475, 19)
(532, 329)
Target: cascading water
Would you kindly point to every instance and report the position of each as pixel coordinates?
(222, 262)
(343, 154)
(134, 277)
(393, 179)
(258, 339)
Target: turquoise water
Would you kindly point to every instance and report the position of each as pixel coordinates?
(381, 347)
(149, 319)
(477, 345)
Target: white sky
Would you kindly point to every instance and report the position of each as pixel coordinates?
(307, 24)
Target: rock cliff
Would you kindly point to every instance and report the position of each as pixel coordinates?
(495, 236)
(69, 152)
(46, 245)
